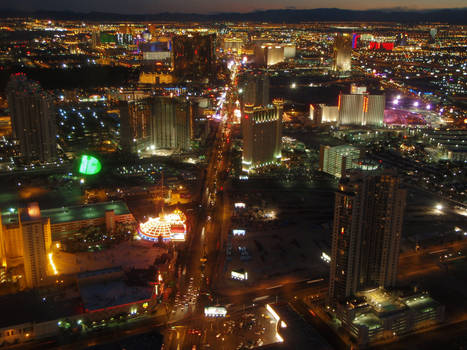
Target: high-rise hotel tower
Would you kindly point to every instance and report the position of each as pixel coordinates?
(368, 215)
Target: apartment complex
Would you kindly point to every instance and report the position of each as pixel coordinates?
(335, 160)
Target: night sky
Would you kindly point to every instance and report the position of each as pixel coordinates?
(210, 6)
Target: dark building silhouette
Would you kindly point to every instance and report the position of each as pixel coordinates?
(33, 119)
(368, 215)
(255, 88)
(342, 51)
(171, 123)
(160, 122)
(135, 116)
(194, 56)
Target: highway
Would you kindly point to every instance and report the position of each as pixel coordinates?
(426, 261)
(204, 250)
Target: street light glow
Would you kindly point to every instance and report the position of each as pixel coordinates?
(52, 264)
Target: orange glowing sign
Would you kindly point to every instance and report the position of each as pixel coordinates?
(365, 104)
(33, 210)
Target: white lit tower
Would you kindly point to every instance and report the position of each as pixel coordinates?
(262, 135)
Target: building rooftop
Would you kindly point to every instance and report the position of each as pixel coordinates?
(74, 213)
(31, 307)
(102, 272)
(382, 301)
(344, 148)
(109, 290)
(112, 293)
(421, 302)
(84, 212)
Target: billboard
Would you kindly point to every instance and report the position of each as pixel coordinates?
(237, 232)
(376, 45)
(215, 311)
(238, 275)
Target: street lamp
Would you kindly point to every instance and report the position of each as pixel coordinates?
(439, 206)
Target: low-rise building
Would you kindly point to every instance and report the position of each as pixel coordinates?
(105, 294)
(97, 299)
(58, 223)
(378, 314)
(451, 144)
(66, 220)
(335, 160)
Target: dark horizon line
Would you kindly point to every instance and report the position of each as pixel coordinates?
(214, 13)
(455, 15)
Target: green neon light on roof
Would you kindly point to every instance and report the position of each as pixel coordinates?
(89, 165)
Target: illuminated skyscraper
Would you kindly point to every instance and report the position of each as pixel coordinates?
(342, 52)
(33, 119)
(329, 114)
(361, 108)
(171, 123)
(95, 38)
(156, 51)
(194, 56)
(368, 215)
(232, 44)
(268, 54)
(36, 244)
(11, 240)
(262, 135)
(135, 115)
(255, 89)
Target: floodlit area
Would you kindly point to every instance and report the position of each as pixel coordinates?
(381, 300)
(138, 254)
(277, 252)
(276, 243)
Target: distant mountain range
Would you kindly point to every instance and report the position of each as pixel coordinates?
(451, 16)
